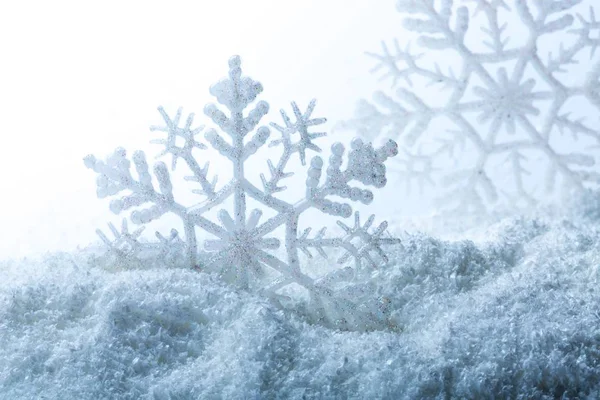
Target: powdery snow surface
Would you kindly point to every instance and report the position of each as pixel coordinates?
(512, 314)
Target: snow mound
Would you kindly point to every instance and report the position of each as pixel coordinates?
(511, 314)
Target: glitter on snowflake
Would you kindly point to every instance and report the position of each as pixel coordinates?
(246, 245)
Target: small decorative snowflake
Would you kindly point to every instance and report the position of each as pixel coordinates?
(500, 98)
(246, 250)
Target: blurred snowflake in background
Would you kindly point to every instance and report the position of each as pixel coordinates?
(244, 248)
(511, 114)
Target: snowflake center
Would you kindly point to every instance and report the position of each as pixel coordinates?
(507, 102)
(242, 239)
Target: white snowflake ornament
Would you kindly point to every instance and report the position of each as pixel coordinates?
(247, 249)
(487, 93)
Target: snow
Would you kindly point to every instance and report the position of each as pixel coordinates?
(511, 311)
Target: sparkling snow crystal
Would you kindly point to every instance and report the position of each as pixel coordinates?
(244, 248)
(498, 119)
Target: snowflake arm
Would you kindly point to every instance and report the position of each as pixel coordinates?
(114, 176)
(125, 246)
(358, 243)
(173, 130)
(365, 165)
(126, 249)
(304, 142)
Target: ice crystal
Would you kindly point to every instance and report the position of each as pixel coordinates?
(496, 117)
(246, 249)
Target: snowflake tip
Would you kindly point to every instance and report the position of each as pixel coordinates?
(116, 206)
(337, 149)
(89, 161)
(316, 162)
(235, 61)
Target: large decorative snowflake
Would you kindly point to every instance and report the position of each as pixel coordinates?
(246, 248)
(499, 119)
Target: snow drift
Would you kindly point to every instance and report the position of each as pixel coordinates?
(512, 313)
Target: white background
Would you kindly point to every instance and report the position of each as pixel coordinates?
(85, 77)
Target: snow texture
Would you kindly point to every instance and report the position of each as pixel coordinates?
(486, 101)
(510, 314)
(243, 244)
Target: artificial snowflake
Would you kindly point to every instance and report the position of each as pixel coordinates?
(246, 249)
(504, 105)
